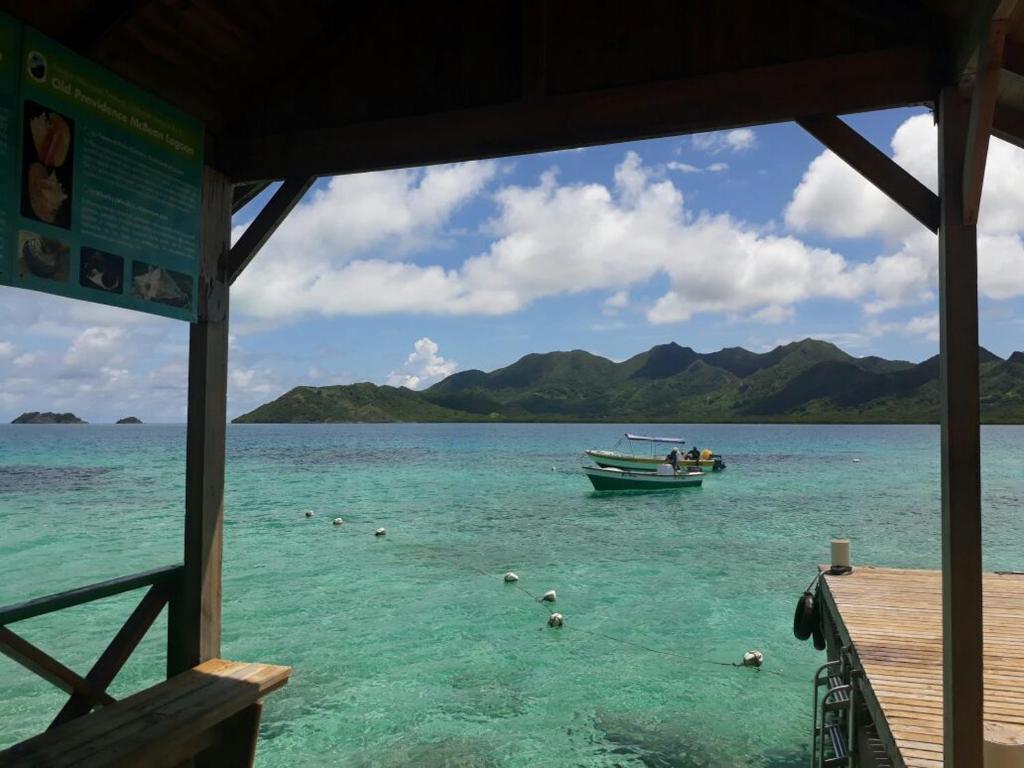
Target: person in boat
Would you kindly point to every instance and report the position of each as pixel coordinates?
(693, 454)
(673, 459)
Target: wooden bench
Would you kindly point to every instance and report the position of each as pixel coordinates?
(213, 709)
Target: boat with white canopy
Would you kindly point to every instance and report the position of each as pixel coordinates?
(633, 456)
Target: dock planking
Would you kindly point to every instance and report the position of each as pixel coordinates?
(892, 620)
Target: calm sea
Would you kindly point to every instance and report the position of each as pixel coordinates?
(410, 650)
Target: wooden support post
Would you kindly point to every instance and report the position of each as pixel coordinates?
(983, 106)
(877, 167)
(194, 619)
(963, 641)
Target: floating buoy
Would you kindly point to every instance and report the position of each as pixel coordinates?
(753, 659)
(856, 461)
(380, 532)
(553, 468)
(338, 521)
(309, 513)
(510, 577)
(549, 596)
(555, 620)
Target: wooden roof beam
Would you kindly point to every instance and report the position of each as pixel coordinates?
(265, 224)
(875, 166)
(979, 125)
(1008, 125)
(840, 84)
(243, 194)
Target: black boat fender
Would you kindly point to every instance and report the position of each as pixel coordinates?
(817, 634)
(805, 617)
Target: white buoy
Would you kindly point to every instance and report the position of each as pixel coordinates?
(380, 532)
(549, 596)
(338, 521)
(753, 659)
(555, 620)
(309, 513)
(510, 577)
(856, 461)
(553, 468)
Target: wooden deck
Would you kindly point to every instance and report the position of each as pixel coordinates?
(892, 619)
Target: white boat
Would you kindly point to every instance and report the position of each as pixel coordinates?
(632, 460)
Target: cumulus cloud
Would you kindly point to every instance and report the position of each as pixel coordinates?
(675, 165)
(737, 140)
(327, 237)
(835, 200)
(553, 239)
(423, 366)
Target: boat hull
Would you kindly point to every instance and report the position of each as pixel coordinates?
(623, 480)
(644, 463)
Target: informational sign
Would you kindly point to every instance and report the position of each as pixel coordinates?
(100, 198)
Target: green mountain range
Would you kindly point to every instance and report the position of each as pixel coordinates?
(805, 381)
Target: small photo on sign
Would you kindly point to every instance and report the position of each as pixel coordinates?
(101, 270)
(164, 286)
(47, 165)
(43, 257)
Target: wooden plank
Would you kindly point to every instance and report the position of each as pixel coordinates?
(42, 605)
(116, 653)
(265, 224)
(961, 448)
(979, 125)
(195, 618)
(902, 683)
(23, 652)
(834, 85)
(877, 167)
(161, 726)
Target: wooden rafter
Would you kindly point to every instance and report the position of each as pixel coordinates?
(979, 127)
(877, 167)
(116, 654)
(533, 48)
(41, 663)
(265, 224)
(839, 84)
(243, 194)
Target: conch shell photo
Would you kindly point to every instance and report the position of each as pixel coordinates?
(45, 193)
(51, 135)
(154, 283)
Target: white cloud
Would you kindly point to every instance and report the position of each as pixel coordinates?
(390, 214)
(615, 302)
(553, 239)
(675, 165)
(926, 326)
(736, 140)
(27, 360)
(773, 314)
(423, 366)
(835, 200)
(6, 349)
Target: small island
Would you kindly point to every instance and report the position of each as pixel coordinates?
(130, 420)
(35, 417)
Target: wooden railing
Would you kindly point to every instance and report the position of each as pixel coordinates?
(91, 691)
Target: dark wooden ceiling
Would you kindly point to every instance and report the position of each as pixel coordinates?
(317, 87)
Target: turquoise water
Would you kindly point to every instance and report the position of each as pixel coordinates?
(410, 650)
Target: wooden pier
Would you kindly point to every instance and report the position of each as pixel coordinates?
(890, 622)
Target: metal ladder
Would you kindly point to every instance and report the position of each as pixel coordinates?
(833, 734)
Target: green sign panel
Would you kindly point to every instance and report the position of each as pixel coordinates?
(100, 198)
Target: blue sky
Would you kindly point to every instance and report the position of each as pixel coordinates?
(753, 238)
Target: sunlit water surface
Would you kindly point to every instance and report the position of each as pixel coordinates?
(410, 649)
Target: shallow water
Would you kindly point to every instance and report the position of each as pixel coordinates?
(410, 650)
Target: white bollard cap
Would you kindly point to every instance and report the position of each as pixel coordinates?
(1004, 745)
(841, 552)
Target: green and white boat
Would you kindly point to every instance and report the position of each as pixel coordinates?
(659, 446)
(612, 479)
